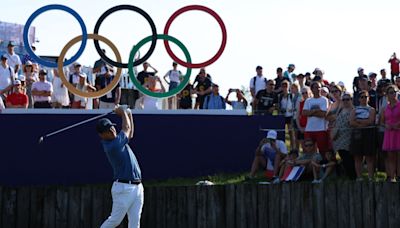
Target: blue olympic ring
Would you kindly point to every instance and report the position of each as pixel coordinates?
(42, 10)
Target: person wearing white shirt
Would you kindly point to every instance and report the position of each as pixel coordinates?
(174, 76)
(315, 109)
(257, 83)
(6, 77)
(41, 91)
(13, 59)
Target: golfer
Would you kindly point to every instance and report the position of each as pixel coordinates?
(127, 190)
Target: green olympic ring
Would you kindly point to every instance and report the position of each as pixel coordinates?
(136, 82)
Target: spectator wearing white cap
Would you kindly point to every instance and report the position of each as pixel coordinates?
(60, 97)
(30, 77)
(17, 99)
(269, 150)
(81, 102)
(372, 79)
(13, 59)
(41, 91)
(6, 78)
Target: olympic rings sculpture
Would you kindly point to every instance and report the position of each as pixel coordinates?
(132, 62)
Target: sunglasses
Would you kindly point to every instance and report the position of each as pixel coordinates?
(304, 93)
(363, 97)
(346, 99)
(271, 84)
(392, 92)
(335, 91)
(308, 145)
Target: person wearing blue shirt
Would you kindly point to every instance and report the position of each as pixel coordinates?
(214, 100)
(127, 190)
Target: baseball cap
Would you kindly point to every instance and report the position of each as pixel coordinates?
(372, 74)
(259, 68)
(77, 64)
(104, 125)
(272, 134)
(11, 43)
(28, 63)
(4, 56)
(360, 69)
(17, 82)
(325, 89)
(316, 70)
(291, 65)
(82, 75)
(340, 83)
(22, 78)
(43, 71)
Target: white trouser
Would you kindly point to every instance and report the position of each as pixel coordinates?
(127, 199)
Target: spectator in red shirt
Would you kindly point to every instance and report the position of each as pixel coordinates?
(394, 66)
(17, 99)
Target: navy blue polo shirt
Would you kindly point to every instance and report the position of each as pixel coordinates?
(121, 158)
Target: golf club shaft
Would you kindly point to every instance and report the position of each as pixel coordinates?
(77, 124)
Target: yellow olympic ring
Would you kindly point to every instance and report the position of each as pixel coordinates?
(74, 90)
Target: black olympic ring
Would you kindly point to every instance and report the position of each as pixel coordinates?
(137, 10)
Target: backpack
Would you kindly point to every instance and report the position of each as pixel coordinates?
(254, 81)
(280, 96)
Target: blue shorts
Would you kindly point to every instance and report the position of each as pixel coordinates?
(172, 85)
(269, 154)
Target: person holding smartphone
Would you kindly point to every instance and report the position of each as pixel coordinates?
(241, 102)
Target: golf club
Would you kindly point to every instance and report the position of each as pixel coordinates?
(41, 139)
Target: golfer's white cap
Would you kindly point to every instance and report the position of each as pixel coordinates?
(272, 134)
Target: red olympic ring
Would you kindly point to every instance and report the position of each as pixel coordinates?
(213, 14)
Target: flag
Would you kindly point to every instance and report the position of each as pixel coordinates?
(292, 173)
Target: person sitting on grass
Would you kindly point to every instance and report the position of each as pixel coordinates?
(287, 161)
(309, 154)
(269, 149)
(323, 168)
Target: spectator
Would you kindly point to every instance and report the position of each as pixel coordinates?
(111, 99)
(214, 100)
(30, 77)
(41, 91)
(296, 98)
(391, 143)
(60, 97)
(13, 59)
(278, 80)
(323, 168)
(81, 102)
(372, 78)
(175, 77)
(301, 81)
(394, 66)
(202, 88)
(372, 95)
(308, 79)
(1, 105)
(309, 154)
(356, 87)
(150, 103)
(241, 102)
(143, 75)
(185, 97)
(397, 82)
(257, 83)
(315, 109)
(383, 80)
(286, 108)
(341, 134)
(23, 84)
(266, 100)
(269, 150)
(335, 106)
(28, 58)
(341, 84)
(362, 85)
(363, 140)
(319, 77)
(301, 120)
(289, 75)
(325, 93)
(6, 78)
(287, 162)
(17, 99)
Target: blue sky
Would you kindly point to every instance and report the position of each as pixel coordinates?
(337, 36)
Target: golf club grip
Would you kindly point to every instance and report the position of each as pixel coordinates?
(77, 124)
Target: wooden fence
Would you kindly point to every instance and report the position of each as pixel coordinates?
(341, 204)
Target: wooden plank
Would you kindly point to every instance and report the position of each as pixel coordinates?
(37, 205)
(393, 201)
(262, 213)
(9, 207)
(49, 216)
(147, 214)
(107, 202)
(182, 213)
(381, 202)
(74, 202)
(23, 207)
(331, 210)
(319, 205)
(201, 196)
(307, 218)
(356, 205)
(161, 207)
(296, 197)
(343, 206)
(368, 204)
(230, 206)
(240, 216)
(285, 205)
(170, 203)
(191, 205)
(85, 217)
(274, 195)
(250, 196)
(98, 204)
(61, 207)
(219, 196)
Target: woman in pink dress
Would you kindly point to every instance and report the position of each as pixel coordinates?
(391, 141)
